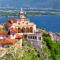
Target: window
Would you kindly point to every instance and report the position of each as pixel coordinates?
(25, 36)
(6, 35)
(18, 30)
(31, 29)
(27, 23)
(35, 37)
(18, 23)
(39, 38)
(27, 30)
(23, 30)
(22, 22)
(30, 37)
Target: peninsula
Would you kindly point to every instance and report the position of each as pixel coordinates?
(21, 39)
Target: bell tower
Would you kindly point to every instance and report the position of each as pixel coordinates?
(22, 15)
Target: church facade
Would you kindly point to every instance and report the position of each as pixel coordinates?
(23, 25)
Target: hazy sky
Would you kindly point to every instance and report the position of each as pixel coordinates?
(30, 3)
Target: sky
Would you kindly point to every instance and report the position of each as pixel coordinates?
(54, 4)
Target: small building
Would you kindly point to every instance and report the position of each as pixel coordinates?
(37, 36)
(6, 41)
(34, 37)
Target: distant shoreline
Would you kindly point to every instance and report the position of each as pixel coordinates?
(32, 13)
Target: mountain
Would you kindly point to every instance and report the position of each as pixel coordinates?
(54, 4)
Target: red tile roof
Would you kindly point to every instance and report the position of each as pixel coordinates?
(3, 33)
(18, 36)
(7, 41)
(8, 24)
(12, 20)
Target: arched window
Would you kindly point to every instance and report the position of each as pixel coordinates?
(23, 30)
(39, 38)
(19, 30)
(31, 29)
(27, 30)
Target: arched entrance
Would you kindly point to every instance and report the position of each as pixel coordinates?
(23, 30)
(26, 29)
(31, 29)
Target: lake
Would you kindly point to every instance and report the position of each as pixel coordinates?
(50, 22)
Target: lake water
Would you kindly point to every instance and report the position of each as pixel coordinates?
(50, 23)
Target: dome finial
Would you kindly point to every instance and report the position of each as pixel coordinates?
(21, 11)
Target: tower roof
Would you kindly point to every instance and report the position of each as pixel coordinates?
(21, 11)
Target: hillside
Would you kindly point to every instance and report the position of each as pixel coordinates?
(27, 52)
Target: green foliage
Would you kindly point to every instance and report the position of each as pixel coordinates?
(47, 51)
(53, 46)
(27, 52)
